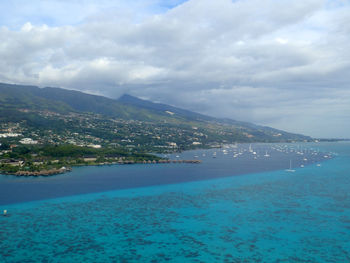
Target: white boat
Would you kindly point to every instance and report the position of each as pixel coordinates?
(290, 167)
(266, 154)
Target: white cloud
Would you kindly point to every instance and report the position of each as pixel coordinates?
(281, 63)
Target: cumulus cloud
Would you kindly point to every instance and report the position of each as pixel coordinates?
(279, 63)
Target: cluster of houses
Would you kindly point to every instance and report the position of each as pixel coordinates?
(128, 133)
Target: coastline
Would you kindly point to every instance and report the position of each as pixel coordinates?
(224, 209)
(68, 167)
(62, 170)
(106, 177)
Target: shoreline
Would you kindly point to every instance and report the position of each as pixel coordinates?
(56, 171)
(34, 201)
(124, 185)
(63, 170)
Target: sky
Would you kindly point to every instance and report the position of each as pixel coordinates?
(279, 63)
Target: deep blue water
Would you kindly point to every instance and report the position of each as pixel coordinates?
(96, 179)
(223, 210)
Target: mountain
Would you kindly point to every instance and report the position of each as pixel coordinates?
(165, 109)
(193, 116)
(17, 99)
(178, 112)
(62, 100)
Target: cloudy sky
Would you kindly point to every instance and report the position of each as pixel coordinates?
(280, 63)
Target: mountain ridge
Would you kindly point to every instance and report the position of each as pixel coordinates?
(128, 107)
(132, 100)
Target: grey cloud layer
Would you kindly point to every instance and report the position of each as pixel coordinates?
(280, 63)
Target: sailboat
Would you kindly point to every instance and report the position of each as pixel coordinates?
(290, 167)
(250, 148)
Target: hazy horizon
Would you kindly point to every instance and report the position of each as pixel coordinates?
(276, 63)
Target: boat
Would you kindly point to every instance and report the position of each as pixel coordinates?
(290, 167)
(266, 154)
(250, 148)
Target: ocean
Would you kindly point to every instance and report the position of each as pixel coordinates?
(239, 205)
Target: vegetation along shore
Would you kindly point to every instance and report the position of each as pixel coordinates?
(38, 160)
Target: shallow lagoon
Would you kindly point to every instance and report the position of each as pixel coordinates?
(270, 216)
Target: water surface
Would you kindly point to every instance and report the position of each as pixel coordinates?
(94, 179)
(270, 216)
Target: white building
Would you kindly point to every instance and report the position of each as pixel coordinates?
(96, 146)
(28, 141)
(10, 134)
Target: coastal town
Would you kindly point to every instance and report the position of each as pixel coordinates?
(93, 130)
(46, 137)
(89, 139)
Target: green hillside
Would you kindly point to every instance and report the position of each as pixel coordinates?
(35, 107)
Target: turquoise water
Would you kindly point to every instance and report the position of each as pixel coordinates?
(273, 216)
